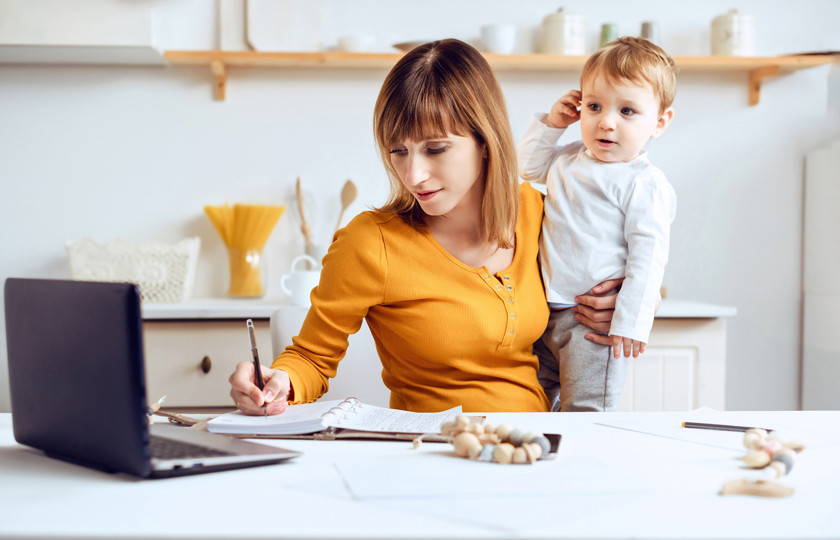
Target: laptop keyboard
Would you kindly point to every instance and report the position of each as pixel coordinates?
(163, 448)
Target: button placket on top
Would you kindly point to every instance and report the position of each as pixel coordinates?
(503, 287)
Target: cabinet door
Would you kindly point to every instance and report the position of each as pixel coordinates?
(684, 368)
(189, 362)
(662, 379)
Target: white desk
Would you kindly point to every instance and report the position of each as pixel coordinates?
(610, 480)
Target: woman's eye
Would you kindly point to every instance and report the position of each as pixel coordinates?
(397, 151)
(436, 149)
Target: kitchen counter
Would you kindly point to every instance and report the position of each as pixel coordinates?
(262, 308)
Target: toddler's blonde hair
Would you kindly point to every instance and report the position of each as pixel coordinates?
(635, 60)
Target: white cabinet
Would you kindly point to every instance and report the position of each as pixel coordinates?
(190, 361)
(684, 366)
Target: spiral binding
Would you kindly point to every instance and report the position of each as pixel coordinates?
(342, 410)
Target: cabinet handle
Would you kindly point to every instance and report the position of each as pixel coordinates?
(206, 364)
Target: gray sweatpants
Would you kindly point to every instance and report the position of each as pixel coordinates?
(577, 374)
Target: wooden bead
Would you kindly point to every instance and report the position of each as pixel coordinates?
(753, 441)
(503, 453)
(464, 441)
(503, 431)
(780, 468)
(515, 437)
(476, 428)
(775, 436)
(530, 453)
(474, 451)
(462, 421)
(489, 438)
(795, 446)
(536, 449)
(519, 455)
(757, 459)
(758, 431)
(449, 429)
(489, 428)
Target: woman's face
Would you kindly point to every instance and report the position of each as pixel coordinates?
(443, 174)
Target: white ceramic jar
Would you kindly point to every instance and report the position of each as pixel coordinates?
(563, 33)
(733, 34)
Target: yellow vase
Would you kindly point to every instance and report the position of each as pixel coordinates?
(245, 276)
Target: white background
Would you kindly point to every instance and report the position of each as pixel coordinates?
(136, 152)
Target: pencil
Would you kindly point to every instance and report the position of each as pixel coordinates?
(719, 427)
(256, 355)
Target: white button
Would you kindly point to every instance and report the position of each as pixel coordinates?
(507, 278)
(486, 276)
(511, 332)
(498, 287)
(513, 315)
(510, 300)
(509, 288)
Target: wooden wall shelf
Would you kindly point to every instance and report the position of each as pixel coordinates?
(758, 69)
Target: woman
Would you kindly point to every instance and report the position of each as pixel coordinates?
(446, 273)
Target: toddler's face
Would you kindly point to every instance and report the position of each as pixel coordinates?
(617, 118)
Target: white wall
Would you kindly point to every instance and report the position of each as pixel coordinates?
(135, 152)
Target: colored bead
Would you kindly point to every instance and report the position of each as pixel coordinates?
(543, 443)
(771, 447)
(515, 437)
(785, 459)
(486, 453)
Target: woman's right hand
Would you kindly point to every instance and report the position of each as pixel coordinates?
(248, 397)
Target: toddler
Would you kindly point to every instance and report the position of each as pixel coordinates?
(608, 213)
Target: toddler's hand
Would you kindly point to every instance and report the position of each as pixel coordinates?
(564, 112)
(627, 345)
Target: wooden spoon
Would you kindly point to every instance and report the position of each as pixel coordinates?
(304, 227)
(348, 195)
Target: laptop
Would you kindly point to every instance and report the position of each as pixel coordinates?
(78, 385)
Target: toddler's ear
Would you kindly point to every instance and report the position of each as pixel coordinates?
(663, 122)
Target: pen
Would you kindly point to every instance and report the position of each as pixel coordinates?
(719, 427)
(256, 354)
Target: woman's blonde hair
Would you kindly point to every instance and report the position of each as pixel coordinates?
(446, 87)
(636, 60)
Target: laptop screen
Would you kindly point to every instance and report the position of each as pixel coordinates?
(76, 376)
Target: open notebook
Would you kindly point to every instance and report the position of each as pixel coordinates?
(347, 418)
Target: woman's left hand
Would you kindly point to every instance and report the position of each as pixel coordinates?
(596, 312)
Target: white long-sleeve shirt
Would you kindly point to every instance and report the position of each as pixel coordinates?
(601, 221)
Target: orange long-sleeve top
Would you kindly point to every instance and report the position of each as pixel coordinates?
(447, 334)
